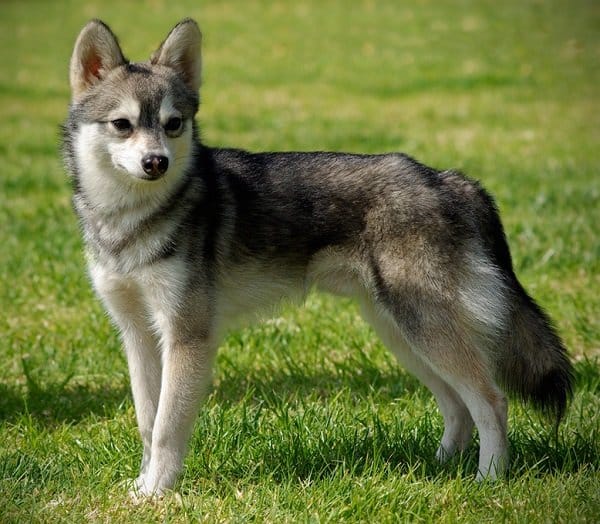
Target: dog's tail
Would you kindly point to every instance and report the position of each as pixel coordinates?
(535, 366)
(533, 363)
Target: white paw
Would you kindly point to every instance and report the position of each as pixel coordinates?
(142, 490)
(493, 473)
(481, 477)
(441, 456)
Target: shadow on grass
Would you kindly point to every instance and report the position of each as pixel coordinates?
(283, 384)
(54, 404)
(298, 379)
(312, 441)
(293, 444)
(402, 447)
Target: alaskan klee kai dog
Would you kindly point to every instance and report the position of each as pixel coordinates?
(184, 239)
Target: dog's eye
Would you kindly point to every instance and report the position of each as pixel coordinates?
(122, 125)
(173, 124)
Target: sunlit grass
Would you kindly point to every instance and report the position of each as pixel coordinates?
(309, 419)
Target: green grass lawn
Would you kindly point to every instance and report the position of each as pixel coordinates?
(309, 419)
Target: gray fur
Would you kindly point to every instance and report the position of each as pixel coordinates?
(225, 234)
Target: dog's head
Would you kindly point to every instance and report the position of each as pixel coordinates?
(134, 121)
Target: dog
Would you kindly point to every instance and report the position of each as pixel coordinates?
(184, 240)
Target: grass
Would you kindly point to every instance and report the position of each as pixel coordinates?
(310, 419)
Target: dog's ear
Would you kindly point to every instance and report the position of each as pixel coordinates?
(96, 52)
(181, 51)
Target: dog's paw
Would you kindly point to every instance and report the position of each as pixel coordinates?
(141, 490)
(441, 455)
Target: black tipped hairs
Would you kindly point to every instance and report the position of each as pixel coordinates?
(553, 392)
(539, 370)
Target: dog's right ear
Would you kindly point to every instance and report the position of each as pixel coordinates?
(96, 52)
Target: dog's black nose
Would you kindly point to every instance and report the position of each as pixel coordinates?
(155, 165)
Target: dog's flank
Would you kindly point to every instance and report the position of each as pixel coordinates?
(184, 240)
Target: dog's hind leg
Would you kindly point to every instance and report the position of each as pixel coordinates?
(456, 353)
(488, 407)
(458, 424)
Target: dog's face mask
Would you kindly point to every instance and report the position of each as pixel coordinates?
(135, 119)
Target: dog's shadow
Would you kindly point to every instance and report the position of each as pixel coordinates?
(300, 381)
(301, 422)
(404, 447)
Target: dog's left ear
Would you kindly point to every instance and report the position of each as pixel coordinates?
(181, 51)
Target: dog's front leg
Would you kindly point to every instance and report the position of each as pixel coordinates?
(186, 375)
(143, 359)
(126, 306)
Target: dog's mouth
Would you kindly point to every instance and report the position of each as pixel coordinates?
(143, 176)
(150, 177)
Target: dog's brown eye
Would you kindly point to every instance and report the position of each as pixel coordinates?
(122, 124)
(173, 124)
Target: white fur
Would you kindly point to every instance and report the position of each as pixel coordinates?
(127, 154)
(489, 412)
(123, 299)
(168, 370)
(128, 109)
(143, 305)
(105, 182)
(483, 294)
(110, 166)
(167, 110)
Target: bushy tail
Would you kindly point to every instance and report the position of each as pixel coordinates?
(536, 366)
